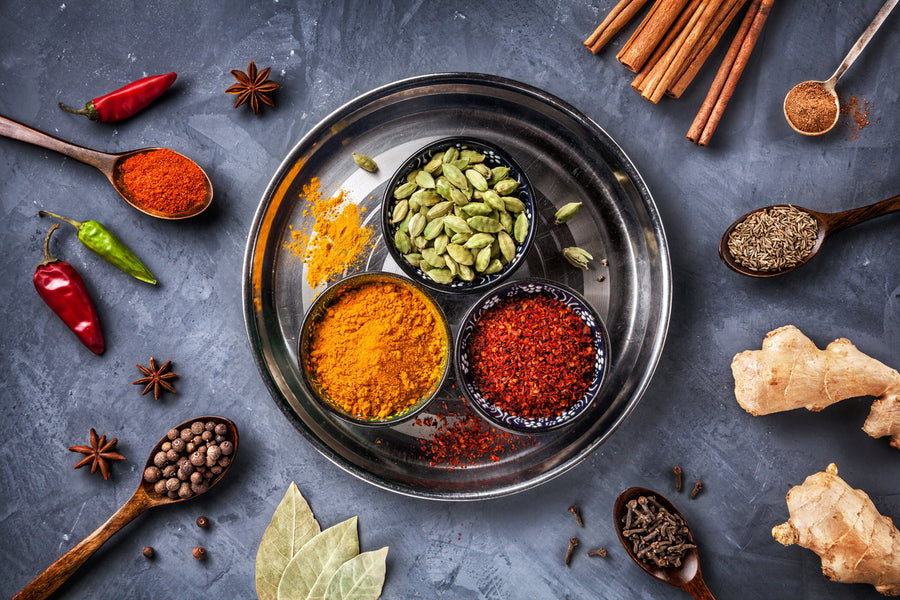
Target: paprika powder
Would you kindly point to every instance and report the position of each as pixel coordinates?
(164, 181)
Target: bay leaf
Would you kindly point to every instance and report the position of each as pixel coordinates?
(307, 575)
(360, 578)
(292, 526)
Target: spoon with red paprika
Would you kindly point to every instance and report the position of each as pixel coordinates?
(143, 167)
(61, 287)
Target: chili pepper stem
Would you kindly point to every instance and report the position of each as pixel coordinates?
(47, 213)
(47, 258)
(88, 110)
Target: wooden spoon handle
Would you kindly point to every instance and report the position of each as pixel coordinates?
(842, 220)
(24, 133)
(56, 574)
(696, 587)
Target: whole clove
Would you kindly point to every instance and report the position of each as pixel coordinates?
(677, 471)
(575, 511)
(658, 537)
(572, 543)
(697, 488)
(601, 552)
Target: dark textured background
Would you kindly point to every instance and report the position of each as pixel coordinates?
(324, 54)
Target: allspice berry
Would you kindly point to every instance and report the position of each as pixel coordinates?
(148, 551)
(199, 553)
(202, 522)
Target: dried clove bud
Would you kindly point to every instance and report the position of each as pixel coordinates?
(601, 552)
(572, 543)
(677, 471)
(697, 488)
(575, 511)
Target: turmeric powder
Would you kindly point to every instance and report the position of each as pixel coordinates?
(336, 241)
(378, 349)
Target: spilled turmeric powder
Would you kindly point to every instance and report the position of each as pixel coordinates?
(378, 349)
(335, 241)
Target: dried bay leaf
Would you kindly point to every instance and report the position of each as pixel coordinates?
(307, 576)
(292, 526)
(360, 578)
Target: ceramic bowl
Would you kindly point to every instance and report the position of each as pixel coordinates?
(494, 157)
(497, 415)
(314, 315)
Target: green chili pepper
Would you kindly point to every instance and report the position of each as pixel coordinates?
(104, 244)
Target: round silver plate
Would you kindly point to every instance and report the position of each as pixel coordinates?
(568, 158)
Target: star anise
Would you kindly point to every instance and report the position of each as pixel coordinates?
(156, 379)
(252, 86)
(99, 453)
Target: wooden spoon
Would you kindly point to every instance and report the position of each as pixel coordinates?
(686, 577)
(829, 224)
(854, 53)
(145, 497)
(109, 164)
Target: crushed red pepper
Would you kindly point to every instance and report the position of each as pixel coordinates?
(531, 356)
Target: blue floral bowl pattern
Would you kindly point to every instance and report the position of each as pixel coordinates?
(493, 157)
(580, 307)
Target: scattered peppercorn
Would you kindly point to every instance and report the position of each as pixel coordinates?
(191, 463)
(199, 553)
(148, 552)
(202, 522)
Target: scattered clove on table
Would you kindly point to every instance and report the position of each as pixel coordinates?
(572, 543)
(677, 471)
(658, 537)
(697, 489)
(601, 552)
(575, 511)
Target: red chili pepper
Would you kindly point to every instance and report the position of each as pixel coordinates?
(125, 101)
(62, 288)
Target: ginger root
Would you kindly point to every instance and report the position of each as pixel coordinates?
(790, 372)
(841, 525)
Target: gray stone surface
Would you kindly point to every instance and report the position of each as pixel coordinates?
(52, 390)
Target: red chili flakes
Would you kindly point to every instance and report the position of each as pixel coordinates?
(531, 356)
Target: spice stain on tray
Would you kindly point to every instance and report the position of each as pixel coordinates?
(335, 241)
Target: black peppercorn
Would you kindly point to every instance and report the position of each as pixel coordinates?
(148, 551)
(199, 553)
(202, 522)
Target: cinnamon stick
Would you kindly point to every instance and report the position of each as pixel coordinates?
(729, 74)
(617, 18)
(661, 48)
(705, 47)
(652, 29)
(679, 60)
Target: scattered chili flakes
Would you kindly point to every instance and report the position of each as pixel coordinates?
(855, 113)
(532, 356)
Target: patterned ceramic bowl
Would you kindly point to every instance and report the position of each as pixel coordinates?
(493, 157)
(495, 414)
(316, 312)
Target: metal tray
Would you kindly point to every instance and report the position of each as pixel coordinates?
(568, 158)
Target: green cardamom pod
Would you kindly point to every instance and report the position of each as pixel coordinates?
(434, 228)
(443, 188)
(566, 212)
(474, 209)
(443, 276)
(506, 187)
(433, 166)
(506, 220)
(483, 169)
(425, 180)
(513, 204)
(507, 245)
(520, 229)
(413, 258)
(466, 273)
(420, 242)
(493, 199)
(495, 250)
(484, 224)
(479, 241)
(440, 243)
(461, 238)
(404, 224)
(450, 154)
(482, 259)
(457, 224)
(455, 176)
(411, 177)
(401, 242)
(400, 211)
(460, 254)
(452, 265)
(427, 197)
(417, 225)
(405, 190)
(459, 198)
(498, 174)
(578, 257)
(476, 179)
(439, 210)
(434, 259)
(495, 266)
(364, 162)
(461, 164)
(473, 156)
